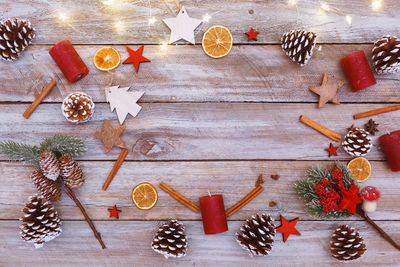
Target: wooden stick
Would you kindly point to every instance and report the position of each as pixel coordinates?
(39, 99)
(181, 199)
(325, 131)
(244, 201)
(375, 112)
(116, 167)
(72, 195)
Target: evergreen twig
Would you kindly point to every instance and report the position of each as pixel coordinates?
(20, 152)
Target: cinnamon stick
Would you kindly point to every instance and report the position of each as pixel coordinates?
(116, 167)
(181, 199)
(325, 131)
(376, 111)
(244, 201)
(72, 195)
(39, 99)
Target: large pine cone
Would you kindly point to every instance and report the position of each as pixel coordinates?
(346, 244)
(49, 165)
(40, 222)
(386, 55)
(257, 235)
(299, 45)
(15, 36)
(170, 240)
(71, 172)
(357, 142)
(78, 107)
(48, 188)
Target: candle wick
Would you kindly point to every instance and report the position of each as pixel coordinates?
(209, 194)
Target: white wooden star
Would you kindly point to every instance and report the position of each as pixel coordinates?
(182, 27)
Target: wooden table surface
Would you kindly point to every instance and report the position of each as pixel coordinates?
(206, 124)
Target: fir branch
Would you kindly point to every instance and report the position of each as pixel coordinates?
(63, 145)
(20, 152)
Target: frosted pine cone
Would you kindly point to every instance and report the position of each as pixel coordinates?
(78, 107)
(48, 188)
(257, 235)
(49, 165)
(357, 142)
(15, 36)
(299, 45)
(40, 222)
(170, 240)
(71, 172)
(346, 244)
(386, 55)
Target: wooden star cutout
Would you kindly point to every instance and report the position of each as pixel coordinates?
(287, 228)
(114, 212)
(135, 57)
(110, 136)
(327, 91)
(332, 150)
(252, 34)
(182, 27)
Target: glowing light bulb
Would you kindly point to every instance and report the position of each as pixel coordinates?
(63, 16)
(349, 19)
(376, 5)
(152, 20)
(206, 18)
(292, 2)
(325, 7)
(108, 2)
(164, 45)
(119, 25)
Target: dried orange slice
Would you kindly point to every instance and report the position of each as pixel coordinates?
(106, 58)
(217, 41)
(144, 196)
(360, 168)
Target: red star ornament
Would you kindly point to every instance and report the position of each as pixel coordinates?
(287, 228)
(350, 200)
(332, 150)
(252, 34)
(135, 57)
(114, 212)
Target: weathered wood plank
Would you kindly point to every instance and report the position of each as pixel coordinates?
(129, 244)
(89, 22)
(185, 73)
(192, 179)
(203, 131)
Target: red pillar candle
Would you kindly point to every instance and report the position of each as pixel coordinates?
(358, 71)
(213, 214)
(391, 146)
(68, 60)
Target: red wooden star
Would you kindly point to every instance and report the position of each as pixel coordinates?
(114, 212)
(287, 228)
(252, 34)
(136, 57)
(332, 150)
(350, 200)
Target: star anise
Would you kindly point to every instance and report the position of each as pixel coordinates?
(371, 126)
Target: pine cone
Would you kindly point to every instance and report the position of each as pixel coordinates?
(346, 244)
(257, 235)
(40, 222)
(71, 172)
(299, 45)
(48, 188)
(49, 165)
(15, 36)
(357, 142)
(170, 240)
(386, 55)
(78, 107)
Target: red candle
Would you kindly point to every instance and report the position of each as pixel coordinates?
(213, 214)
(358, 71)
(391, 147)
(68, 60)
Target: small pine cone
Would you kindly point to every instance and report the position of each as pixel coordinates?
(257, 235)
(15, 36)
(346, 244)
(48, 188)
(299, 45)
(170, 240)
(357, 142)
(49, 165)
(71, 172)
(40, 222)
(386, 55)
(78, 107)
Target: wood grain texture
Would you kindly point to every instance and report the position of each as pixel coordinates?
(92, 22)
(192, 179)
(185, 73)
(129, 245)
